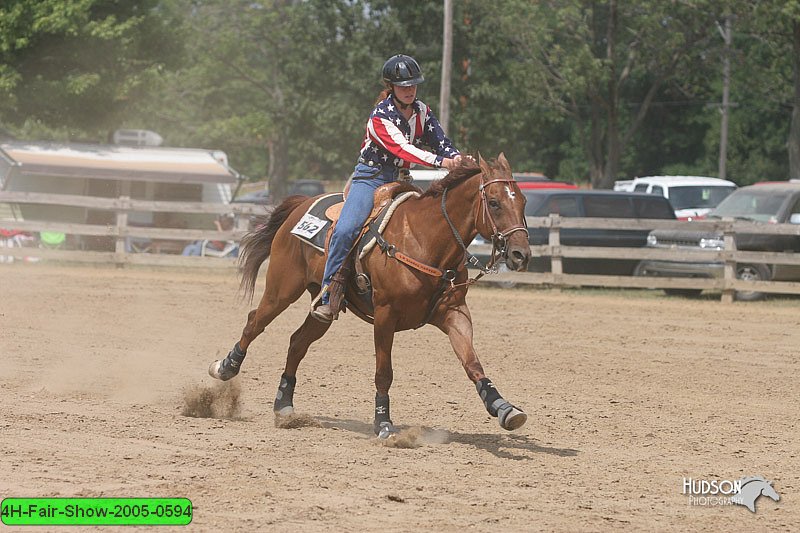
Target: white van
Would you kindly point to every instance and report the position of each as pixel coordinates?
(690, 196)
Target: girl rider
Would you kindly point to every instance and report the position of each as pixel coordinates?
(395, 129)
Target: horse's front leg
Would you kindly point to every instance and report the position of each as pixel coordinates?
(456, 322)
(384, 329)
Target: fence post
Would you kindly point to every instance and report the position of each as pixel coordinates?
(122, 226)
(554, 240)
(729, 270)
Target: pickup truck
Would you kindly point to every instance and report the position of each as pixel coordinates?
(773, 203)
(691, 196)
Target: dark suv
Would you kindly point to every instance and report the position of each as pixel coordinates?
(598, 204)
(774, 203)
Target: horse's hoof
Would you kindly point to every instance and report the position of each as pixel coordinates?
(218, 370)
(510, 417)
(386, 430)
(285, 411)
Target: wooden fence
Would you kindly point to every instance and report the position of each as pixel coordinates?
(728, 284)
(729, 257)
(163, 238)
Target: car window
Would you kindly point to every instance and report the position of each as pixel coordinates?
(534, 201)
(795, 209)
(658, 190)
(753, 203)
(653, 208)
(307, 189)
(641, 187)
(561, 205)
(608, 207)
(689, 196)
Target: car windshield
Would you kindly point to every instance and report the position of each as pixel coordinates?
(760, 205)
(686, 197)
(534, 202)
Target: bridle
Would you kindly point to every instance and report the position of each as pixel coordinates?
(499, 238)
(448, 276)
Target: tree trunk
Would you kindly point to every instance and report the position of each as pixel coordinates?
(278, 169)
(596, 161)
(794, 131)
(613, 148)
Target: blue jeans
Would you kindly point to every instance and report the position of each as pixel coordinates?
(195, 248)
(355, 211)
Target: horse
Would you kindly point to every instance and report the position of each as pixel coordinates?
(478, 197)
(752, 488)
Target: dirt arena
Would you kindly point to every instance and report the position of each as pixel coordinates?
(627, 393)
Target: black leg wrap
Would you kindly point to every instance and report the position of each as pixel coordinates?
(491, 398)
(284, 399)
(229, 367)
(382, 425)
(235, 357)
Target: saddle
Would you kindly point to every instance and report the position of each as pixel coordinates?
(383, 196)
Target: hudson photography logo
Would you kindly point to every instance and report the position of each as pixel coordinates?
(743, 491)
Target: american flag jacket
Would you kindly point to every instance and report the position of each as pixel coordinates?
(392, 140)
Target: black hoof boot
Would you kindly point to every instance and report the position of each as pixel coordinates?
(382, 426)
(225, 369)
(509, 417)
(284, 405)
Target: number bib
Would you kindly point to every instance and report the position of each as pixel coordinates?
(308, 226)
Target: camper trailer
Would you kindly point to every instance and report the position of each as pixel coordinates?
(111, 171)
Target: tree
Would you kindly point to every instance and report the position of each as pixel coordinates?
(602, 64)
(285, 85)
(74, 65)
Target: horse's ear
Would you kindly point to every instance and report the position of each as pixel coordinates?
(503, 161)
(485, 168)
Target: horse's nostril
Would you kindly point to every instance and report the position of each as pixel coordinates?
(517, 260)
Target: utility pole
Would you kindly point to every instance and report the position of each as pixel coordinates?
(447, 60)
(726, 83)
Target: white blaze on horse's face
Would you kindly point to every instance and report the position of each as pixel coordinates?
(510, 192)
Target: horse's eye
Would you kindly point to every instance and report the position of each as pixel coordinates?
(494, 204)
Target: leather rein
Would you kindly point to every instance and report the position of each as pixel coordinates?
(499, 243)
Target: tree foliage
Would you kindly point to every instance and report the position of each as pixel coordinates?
(592, 91)
(73, 65)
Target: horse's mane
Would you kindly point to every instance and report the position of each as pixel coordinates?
(466, 170)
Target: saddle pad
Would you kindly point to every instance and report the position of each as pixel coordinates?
(314, 225)
(368, 240)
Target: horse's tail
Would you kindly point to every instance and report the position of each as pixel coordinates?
(257, 245)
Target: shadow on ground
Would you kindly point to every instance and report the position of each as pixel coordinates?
(503, 445)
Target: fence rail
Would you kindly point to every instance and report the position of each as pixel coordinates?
(121, 230)
(729, 257)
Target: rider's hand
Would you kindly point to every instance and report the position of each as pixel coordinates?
(450, 164)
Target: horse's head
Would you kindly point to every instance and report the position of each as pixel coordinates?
(502, 216)
(769, 491)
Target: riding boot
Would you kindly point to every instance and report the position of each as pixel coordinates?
(330, 311)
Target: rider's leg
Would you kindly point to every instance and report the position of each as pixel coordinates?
(354, 212)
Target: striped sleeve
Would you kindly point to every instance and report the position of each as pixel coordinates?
(435, 137)
(384, 132)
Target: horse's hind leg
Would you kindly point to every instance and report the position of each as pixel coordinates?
(278, 295)
(456, 322)
(311, 330)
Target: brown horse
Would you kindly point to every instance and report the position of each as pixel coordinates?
(433, 230)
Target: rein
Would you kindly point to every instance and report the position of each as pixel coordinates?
(499, 243)
(498, 236)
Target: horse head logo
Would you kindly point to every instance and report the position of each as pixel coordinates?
(752, 488)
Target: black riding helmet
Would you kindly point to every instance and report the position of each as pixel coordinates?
(402, 70)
